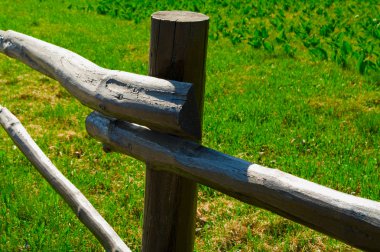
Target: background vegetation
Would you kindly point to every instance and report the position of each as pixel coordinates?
(295, 86)
(346, 32)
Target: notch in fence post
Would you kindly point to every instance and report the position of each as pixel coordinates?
(177, 52)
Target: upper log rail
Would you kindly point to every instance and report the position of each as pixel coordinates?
(162, 105)
(353, 220)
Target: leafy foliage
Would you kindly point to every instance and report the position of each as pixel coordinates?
(346, 32)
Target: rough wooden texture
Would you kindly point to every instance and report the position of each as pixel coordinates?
(177, 52)
(155, 103)
(353, 220)
(83, 209)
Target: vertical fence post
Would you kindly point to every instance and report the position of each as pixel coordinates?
(177, 52)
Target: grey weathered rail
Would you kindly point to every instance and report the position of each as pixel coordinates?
(354, 220)
(160, 104)
(83, 209)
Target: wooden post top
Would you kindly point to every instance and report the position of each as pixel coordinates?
(180, 16)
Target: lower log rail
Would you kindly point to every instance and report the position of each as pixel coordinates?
(353, 220)
(83, 209)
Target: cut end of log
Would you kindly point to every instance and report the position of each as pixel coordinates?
(189, 118)
(6, 118)
(95, 119)
(180, 16)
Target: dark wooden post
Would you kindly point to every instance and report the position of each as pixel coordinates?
(177, 52)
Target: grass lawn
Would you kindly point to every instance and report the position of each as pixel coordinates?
(310, 118)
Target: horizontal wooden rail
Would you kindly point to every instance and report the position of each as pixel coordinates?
(83, 209)
(156, 103)
(354, 220)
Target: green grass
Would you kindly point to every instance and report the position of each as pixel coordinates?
(311, 118)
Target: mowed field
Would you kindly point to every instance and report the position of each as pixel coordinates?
(282, 103)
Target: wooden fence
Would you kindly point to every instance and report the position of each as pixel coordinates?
(159, 121)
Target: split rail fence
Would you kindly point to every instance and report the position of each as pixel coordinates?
(158, 119)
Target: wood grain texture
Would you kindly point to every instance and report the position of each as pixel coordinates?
(83, 209)
(177, 51)
(353, 220)
(156, 103)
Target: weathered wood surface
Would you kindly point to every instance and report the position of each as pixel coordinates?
(83, 209)
(156, 103)
(178, 46)
(353, 220)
